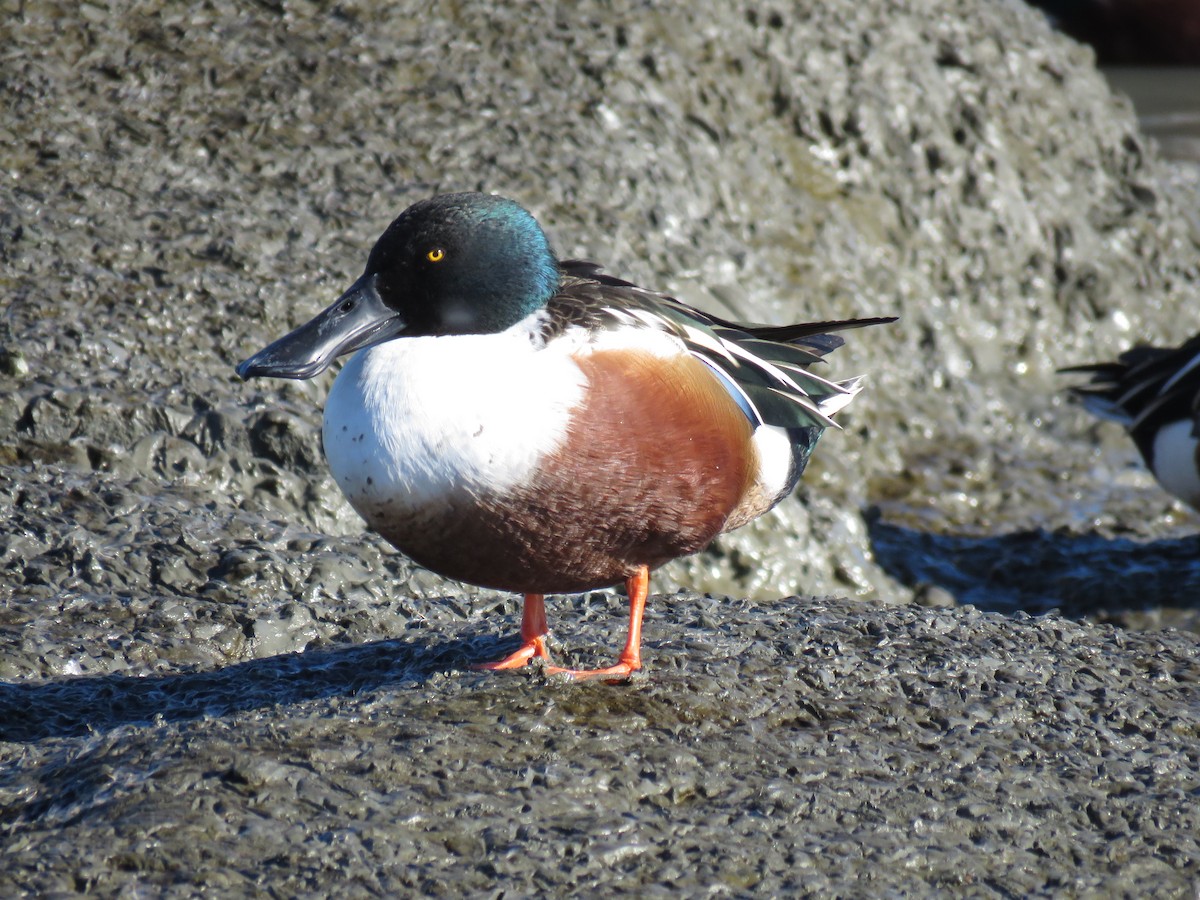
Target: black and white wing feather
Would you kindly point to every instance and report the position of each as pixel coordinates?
(765, 367)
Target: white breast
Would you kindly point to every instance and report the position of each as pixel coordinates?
(416, 420)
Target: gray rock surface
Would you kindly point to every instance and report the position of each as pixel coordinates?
(775, 748)
(179, 185)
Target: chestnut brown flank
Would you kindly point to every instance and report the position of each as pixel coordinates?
(646, 474)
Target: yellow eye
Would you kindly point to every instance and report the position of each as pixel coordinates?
(437, 254)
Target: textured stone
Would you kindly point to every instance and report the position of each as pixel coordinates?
(214, 682)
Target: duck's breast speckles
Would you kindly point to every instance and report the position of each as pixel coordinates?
(415, 421)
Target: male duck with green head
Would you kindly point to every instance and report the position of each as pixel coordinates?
(529, 424)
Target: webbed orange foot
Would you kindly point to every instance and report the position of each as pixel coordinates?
(630, 660)
(621, 671)
(533, 638)
(534, 631)
(533, 649)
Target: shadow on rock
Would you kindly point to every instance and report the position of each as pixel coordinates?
(75, 706)
(1130, 583)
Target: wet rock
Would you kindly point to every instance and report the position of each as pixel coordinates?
(13, 363)
(285, 440)
(214, 681)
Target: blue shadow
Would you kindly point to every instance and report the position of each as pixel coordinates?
(73, 706)
(1039, 571)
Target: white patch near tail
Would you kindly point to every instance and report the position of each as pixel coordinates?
(774, 449)
(1174, 462)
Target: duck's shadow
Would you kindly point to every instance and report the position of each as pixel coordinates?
(1038, 571)
(72, 706)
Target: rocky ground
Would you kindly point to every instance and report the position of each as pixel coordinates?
(179, 185)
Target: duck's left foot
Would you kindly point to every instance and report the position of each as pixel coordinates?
(533, 638)
(532, 649)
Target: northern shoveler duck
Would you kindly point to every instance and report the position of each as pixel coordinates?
(1155, 393)
(533, 425)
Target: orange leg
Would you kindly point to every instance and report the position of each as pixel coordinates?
(638, 586)
(533, 637)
